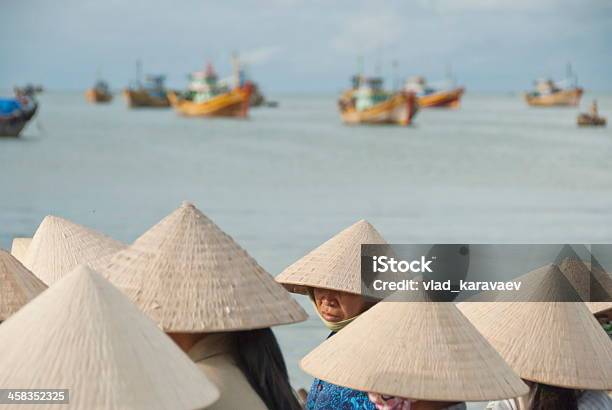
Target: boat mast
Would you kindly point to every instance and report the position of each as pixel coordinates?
(395, 69)
(236, 70)
(138, 72)
(571, 75)
(449, 75)
(360, 65)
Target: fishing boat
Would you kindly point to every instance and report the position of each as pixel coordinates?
(100, 93)
(29, 90)
(260, 100)
(151, 93)
(207, 96)
(15, 114)
(549, 93)
(592, 118)
(368, 103)
(429, 96)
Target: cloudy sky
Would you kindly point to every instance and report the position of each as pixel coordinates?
(307, 46)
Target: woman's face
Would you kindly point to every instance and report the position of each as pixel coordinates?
(337, 306)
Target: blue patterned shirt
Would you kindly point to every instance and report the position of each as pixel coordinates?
(327, 396)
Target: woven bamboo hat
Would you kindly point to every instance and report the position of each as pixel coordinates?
(190, 276)
(17, 285)
(550, 342)
(84, 335)
(59, 245)
(335, 265)
(20, 247)
(422, 350)
(599, 307)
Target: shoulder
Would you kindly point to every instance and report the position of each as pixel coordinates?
(235, 390)
(594, 400)
(501, 405)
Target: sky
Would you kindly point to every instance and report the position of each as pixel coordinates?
(295, 46)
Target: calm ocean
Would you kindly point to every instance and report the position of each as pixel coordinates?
(289, 178)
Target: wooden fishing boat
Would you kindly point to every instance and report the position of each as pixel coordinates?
(442, 98)
(151, 93)
(15, 114)
(569, 97)
(234, 103)
(427, 96)
(549, 93)
(208, 97)
(592, 118)
(100, 93)
(143, 98)
(367, 103)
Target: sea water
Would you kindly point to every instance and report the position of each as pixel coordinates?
(289, 178)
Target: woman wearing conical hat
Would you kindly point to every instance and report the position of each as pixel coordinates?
(410, 353)
(85, 336)
(554, 344)
(216, 303)
(18, 286)
(331, 276)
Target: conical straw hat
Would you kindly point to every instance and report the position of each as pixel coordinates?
(83, 335)
(59, 245)
(17, 285)
(190, 276)
(416, 349)
(544, 340)
(599, 307)
(546, 283)
(335, 265)
(20, 247)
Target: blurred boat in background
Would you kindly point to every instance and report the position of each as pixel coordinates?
(100, 93)
(429, 96)
(29, 90)
(151, 93)
(368, 103)
(549, 93)
(207, 96)
(592, 118)
(15, 114)
(259, 100)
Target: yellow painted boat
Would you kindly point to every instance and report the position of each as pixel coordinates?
(234, 103)
(96, 96)
(445, 98)
(142, 98)
(566, 97)
(398, 109)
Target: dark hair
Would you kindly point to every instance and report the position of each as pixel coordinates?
(260, 358)
(546, 397)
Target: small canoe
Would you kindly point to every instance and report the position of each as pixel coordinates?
(587, 120)
(399, 109)
(445, 98)
(234, 103)
(566, 97)
(96, 96)
(17, 114)
(142, 98)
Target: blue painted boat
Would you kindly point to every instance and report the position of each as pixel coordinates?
(15, 114)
